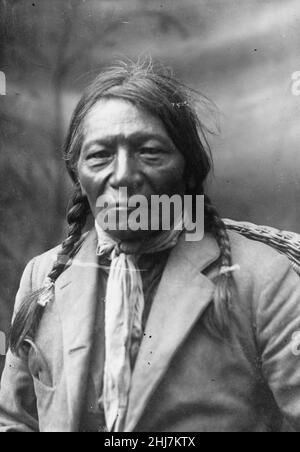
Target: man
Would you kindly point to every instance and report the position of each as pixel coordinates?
(143, 330)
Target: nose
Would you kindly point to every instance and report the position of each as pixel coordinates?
(126, 171)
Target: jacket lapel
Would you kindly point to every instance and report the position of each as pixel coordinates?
(76, 295)
(182, 296)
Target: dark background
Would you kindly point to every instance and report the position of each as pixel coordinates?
(241, 54)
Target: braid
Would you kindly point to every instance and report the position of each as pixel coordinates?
(28, 317)
(218, 319)
(76, 217)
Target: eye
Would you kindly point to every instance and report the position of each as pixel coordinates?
(100, 156)
(153, 152)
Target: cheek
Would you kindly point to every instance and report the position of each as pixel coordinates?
(170, 180)
(90, 182)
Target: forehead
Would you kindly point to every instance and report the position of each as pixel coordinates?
(115, 117)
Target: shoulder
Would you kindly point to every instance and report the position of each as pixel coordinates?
(252, 253)
(259, 265)
(265, 285)
(40, 266)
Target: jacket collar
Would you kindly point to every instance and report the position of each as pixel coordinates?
(182, 296)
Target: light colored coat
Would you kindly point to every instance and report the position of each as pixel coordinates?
(184, 378)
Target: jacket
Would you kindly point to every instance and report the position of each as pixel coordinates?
(185, 379)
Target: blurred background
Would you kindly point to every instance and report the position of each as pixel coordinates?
(241, 54)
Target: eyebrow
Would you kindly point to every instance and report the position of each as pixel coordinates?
(137, 137)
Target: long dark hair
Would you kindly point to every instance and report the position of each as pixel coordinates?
(153, 88)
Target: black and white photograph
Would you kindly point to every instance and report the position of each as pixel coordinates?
(149, 218)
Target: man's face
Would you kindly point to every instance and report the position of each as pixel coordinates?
(127, 147)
